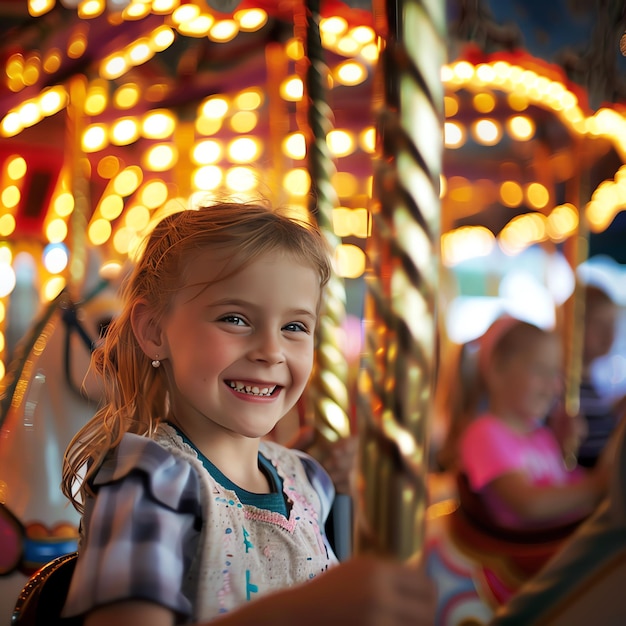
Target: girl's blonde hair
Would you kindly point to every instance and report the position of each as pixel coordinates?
(135, 392)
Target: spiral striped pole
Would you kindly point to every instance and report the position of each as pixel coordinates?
(328, 389)
(397, 377)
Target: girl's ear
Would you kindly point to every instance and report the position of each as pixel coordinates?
(147, 330)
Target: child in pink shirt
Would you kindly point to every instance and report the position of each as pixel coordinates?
(511, 459)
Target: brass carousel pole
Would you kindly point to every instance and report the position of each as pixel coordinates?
(329, 394)
(397, 379)
(328, 390)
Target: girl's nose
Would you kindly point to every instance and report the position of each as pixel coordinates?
(267, 348)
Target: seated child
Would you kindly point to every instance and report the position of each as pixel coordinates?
(510, 457)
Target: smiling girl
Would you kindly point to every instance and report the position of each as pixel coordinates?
(188, 516)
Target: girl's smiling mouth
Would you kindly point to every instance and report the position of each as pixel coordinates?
(252, 389)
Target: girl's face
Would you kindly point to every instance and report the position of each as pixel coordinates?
(238, 352)
(529, 381)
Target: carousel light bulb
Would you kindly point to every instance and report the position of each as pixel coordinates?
(294, 146)
(94, 138)
(7, 279)
(55, 257)
(140, 52)
(114, 67)
(111, 206)
(367, 140)
(208, 177)
(137, 218)
(10, 196)
(164, 7)
(243, 150)
(369, 53)
(158, 124)
(521, 127)
(37, 8)
(162, 38)
(350, 73)
(56, 230)
(88, 9)
(52, 61)
(7, 225)
(63, 204)
(29, 113)
(249, 100)
(206, 152)
(185, 13)
(224, 30)
(154, 194)
(16, 168)
(340, 142)
(334, 25)
(292, 89)
(161, 157)
(214, 108)
(349, 260)
(136, 11)
(487, 132)
(198, 27)
(126, 96)
(243, 121)
(454, 135)
(251, 20)
(99, 231)
(241, 179)
(127, 181)
(297, 182)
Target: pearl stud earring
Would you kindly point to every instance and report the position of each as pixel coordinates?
(156, 363)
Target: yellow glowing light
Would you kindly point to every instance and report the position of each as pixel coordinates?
(113, 67)
(465, 243)
(56, 231)
(214, 108)
(363, 34)
(198, 27)
(185, 13)
(158, 124)
(123, 240)
(349, 260)
(224, 30)
(241, 179)
(208, 177)
(521, 127)
(206, 152)
(63, 204)
(136, 11)
(164, 7)
(126, 96)
(16, 168)
(249, 100)
(140, 52)
(161, 157)
(154, 194)
(334, 25)
(111, 206)
(484, 102)
(108, 166)
(297, 182)
(243, 150)
(292, 89)
(367, 140)
(487, 131)
(31, 71)
(250, 20)
(243, 121)
(77, 45)
(99, 232)
(94, 138)
(29, 113)
(294, 146)
(137, 218)
(97, 99)
(340, 142)
(345, 183)
(562, 222)
(52, 288)
(11, 124)
(537, 195)
(124, 131)
(162, 38)
(7, 225)
(10, 196)
(370, 53)
(350, 73)
(89, 9)
(450, 105)
(208, 126)
(351, 222)
(37, 8)
(127, 181)
(511, 193)
(52, 61)
(294, 49)
(454, 135)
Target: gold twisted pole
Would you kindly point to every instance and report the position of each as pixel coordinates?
(328, 388)
(397, 377)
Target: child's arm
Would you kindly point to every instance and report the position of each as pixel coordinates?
(366, 591)
(544, 504)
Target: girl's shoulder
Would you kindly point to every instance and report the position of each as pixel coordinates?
(169, 477)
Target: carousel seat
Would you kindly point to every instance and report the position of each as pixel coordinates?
(525, 550)
(43, 596)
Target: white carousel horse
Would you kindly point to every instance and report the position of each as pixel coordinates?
(46, 400)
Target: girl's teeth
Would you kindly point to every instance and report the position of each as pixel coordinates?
(255, 391)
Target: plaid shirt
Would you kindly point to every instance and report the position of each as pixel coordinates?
(141, 534)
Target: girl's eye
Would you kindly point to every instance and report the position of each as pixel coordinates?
(296, 327)
(235, 320)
